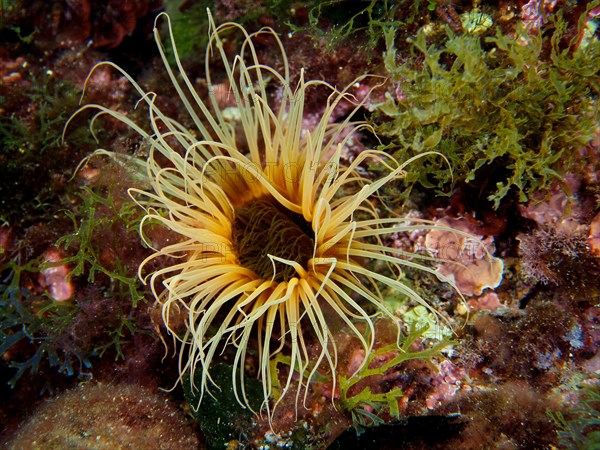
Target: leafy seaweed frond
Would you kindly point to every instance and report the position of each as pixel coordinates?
(39, 321)
(367, 406)
(86, 259)
(99, 224)
(497, 103)
(581, 430)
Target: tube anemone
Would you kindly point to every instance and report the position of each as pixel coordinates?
(275, 233)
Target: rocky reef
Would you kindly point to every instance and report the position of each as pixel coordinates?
(495, 105)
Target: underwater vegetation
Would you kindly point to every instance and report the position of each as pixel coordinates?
(40, 321)
(560, 258)
(365, 406)
(262, 229)
(511, 107)
(42, 317)
(335, 21)
(581, 429)
(28, 137)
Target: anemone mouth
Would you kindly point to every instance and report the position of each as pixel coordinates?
(264, 228)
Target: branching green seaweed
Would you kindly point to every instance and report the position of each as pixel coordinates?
(39, 320)
(373, 18)
(369, 17)
(89, 227)
(582, 430)
(86, 260)
(496, 102)
(36, 329)
(377, 403)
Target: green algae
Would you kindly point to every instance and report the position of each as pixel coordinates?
(37, 331)
(190, 28)
(497, 103)
(99, 223)
(366, 406)
(581, 428)
(39, 320)
(350, 18)
(334, 22)
(88, 225)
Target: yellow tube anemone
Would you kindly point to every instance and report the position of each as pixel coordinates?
(275, 232)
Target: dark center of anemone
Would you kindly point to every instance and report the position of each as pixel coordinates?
(263, 228)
